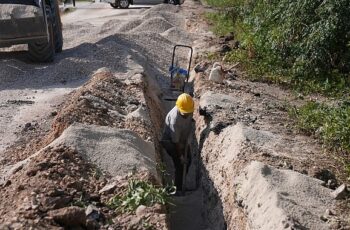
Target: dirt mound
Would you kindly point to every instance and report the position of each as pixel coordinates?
(58, 186)
(59, 177)
(178, 36)
(161, 8)
(153, 25)
(285, 198)
(116, 151)
(175, 18)
(126, 27)
(104, 101)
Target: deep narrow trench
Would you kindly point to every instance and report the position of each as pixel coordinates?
(200, 207)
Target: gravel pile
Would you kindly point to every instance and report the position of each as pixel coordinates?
(112, 25)
(14, 11)
(177, 35)
(126, 27)
(161, 8)
(116, 151)
(174, 18)
(155, 25)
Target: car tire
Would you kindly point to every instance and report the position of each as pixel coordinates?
(43, 51)
(57, 27)
(124, 4)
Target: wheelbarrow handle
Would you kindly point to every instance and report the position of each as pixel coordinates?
(173, 61)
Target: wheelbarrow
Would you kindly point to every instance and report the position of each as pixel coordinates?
(179, 76)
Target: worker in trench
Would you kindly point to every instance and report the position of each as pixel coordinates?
(176, 135)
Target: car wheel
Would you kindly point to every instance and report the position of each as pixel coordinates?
(124, 4)
(57, 27)
(43, 51)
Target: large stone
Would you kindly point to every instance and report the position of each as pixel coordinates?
(69, 216)
(210, 101)
(216, 74)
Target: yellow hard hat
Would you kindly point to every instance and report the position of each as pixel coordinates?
(185, 103)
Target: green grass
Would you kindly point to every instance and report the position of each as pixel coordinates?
(140, 193)
(330, 123)
(221, 23)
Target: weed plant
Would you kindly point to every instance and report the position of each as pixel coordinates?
(140, 193)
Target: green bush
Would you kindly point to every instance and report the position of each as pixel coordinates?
(306, 39)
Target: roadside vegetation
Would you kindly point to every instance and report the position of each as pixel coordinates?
(304, 45)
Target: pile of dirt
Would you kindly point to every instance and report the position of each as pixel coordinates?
(59, 183)
(58, 188)
(106, 101)
(155, 25)
(177, 35)
(285, 198)
(115, 151)
(127, 26)
(175, 18)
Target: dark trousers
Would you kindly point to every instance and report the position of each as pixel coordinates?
(171, 150)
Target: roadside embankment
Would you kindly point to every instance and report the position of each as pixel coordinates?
(264, 175)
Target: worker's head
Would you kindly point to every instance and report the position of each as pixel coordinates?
(185, 104)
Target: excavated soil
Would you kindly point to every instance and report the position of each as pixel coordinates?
(100, 102)
(58, 177)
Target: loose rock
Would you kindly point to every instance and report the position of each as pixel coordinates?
(69, 216)
(216, 74)
(92, 212)
(109, 188)
(340, 193)
(141, 211)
